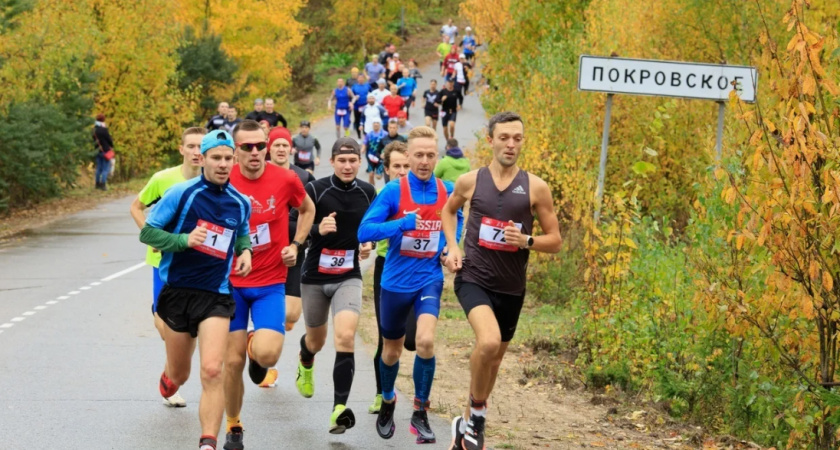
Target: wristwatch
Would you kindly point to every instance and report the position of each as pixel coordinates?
(297, 244)
(530, 242)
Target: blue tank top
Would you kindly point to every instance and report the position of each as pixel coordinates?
(342, 98)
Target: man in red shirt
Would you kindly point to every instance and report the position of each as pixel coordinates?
(272, 190)
(448, 70)
(393, 103)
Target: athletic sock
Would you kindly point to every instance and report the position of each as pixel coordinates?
(207, 442)
(424, 374)
(307, 358)
(343, 370)
(389, 377)
(232, 422)
(478, 407)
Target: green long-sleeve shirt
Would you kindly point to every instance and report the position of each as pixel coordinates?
(449, 168)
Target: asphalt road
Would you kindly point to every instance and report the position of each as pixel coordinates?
(80, 358)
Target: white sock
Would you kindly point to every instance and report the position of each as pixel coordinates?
(478, 412)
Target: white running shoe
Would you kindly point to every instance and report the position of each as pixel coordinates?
(176, 401)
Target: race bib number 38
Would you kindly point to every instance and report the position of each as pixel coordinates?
(420, 243)
(261, 238)
(491, 235)
(336, 261)
(218, 240)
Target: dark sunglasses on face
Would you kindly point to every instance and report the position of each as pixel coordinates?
(249, 147)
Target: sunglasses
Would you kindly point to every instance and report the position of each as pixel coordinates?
(249, 147)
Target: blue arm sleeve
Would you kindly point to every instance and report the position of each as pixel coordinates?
(376, 226)
(244, 226)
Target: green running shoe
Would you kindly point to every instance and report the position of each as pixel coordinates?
(376, 405)
(304, 382)
(341, 419)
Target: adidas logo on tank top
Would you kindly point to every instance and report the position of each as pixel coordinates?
(519, 190)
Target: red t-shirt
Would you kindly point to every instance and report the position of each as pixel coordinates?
(271, 196)
(393, 104)
(450, 61)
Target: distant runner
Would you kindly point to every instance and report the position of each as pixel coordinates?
(307, 148)
(344, 98)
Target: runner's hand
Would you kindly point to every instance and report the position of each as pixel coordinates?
(453, 260)
(443, 254)
(417, 219)
(365, 249)
(327, 225)
(196, 237)
(513, 236)
(289, 255)
(243, 264)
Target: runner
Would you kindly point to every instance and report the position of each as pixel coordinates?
(442, 50)
(332, 278)
(453, 164)
(407, 213)
(413, 71)
(380, 93)
(280, 148)
(490, 284)
(343, 97)
(395, 158)
(392, 136)
(258, 108)
(261, 295)
(393, 103)
(271, 116)
(231, 120)
(196, 299)
(374, 69)
(303, 145)
(406, 86)
(403, 125)
(448, 71)
(450, 31)
(461, 82)
(153, 191)
(431, 105)
(372, 149)
(372, 113)
(449, 103)
(217, 122)
(468, 44)
(361, 91)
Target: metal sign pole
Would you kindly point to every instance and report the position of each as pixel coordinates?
(719, 143)
(605, 140)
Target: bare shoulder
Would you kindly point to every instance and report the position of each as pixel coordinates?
(538, 185)
(466, 182)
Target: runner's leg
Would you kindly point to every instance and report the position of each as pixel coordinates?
(233, 384)
(212, 343)
(378, 267)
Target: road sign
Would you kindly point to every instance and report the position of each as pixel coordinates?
(666, 78)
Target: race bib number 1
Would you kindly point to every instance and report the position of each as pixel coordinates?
(336, 261)
(261, 238)
(491, 235)
(420, 244)
(218, 240)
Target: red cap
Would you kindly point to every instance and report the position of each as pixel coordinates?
(279, 133)
(402, 115)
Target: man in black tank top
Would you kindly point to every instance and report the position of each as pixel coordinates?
(490, 284)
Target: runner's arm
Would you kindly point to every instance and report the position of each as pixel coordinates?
(550, 241)
(317, 149)
(164, 240)
(153, 233)
(243, 232)
(136, 210)
(375, 225)
(452, 215)
(282, 120)
(306, 216)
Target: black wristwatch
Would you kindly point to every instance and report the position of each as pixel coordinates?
(297, 244)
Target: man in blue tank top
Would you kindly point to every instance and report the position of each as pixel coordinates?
(343, 97)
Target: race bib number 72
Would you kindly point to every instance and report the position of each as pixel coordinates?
(218, 240)
(491, 235)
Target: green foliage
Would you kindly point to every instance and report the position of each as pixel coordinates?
(204, 66)
(9, 10)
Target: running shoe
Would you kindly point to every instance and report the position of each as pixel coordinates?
(167, 387)
(377, 403)
(270, 379)
(207, 443)
(385, 422)
(175, 401)
(342, 419)
(420, 427)
(305, 384)
(255, 371)
(474, 434)
(457, 435)
(233, 440)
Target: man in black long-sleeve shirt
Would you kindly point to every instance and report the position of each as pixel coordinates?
(450, 103)
(217, 122)
(271, 116)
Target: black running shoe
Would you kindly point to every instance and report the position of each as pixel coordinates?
(420, 427)
(457, 436)
(233, 440)
(256, 372)
(474, 435)
(385, 420)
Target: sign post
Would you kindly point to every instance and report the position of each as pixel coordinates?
(665, 79)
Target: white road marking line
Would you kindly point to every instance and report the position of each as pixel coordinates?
(29, 313)
(52, 302)
(73, 292)
(63, 297)
(7, 325)
(84, 288)
(18, 319)
(123, 272)
(40, 307)
(95, 283)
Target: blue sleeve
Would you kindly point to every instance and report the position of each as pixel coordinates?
(376, 226)
(165, 210)
(450, 187)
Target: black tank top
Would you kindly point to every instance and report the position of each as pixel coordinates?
(488, 260)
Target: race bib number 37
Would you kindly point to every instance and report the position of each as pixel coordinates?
(420, 244)
(491, 235)
(218, 240)
(336, 261)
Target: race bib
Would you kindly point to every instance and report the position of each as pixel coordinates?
(336, 261)
(304, 156)
(373, 158)
(218, 240)
(341, 112)
(420, 243)
(261, 238)
(361, 108)
(491, 235)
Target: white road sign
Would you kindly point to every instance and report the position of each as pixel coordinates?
(666, 78)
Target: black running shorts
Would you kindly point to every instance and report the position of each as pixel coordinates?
(293, 277)
(449, 116)
(435, 115)
(183, 309)
(306, 166)
(505, 307)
